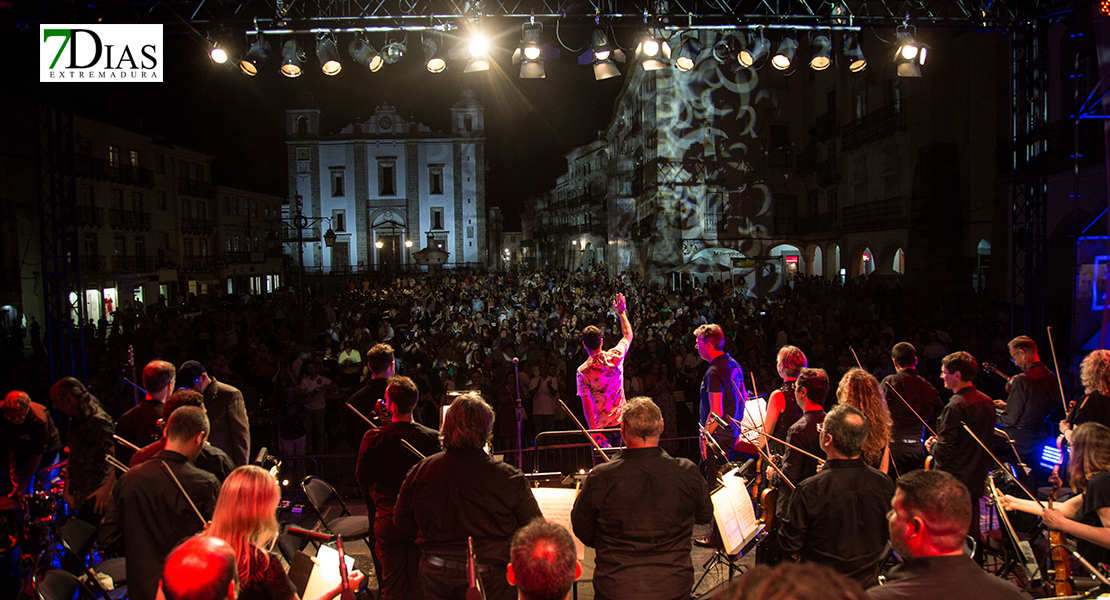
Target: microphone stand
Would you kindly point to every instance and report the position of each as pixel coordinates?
(519, 417)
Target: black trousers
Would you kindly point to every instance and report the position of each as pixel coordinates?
(450, 581)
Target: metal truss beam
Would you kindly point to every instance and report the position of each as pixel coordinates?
(58, 231)
(305, 16)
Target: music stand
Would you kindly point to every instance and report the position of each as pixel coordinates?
(740, 530)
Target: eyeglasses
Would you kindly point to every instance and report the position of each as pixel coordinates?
(820, 428)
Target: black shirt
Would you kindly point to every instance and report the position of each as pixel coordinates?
(725, 377)
(790, 414)
(1033, 396)
(797, 466)
(210, 459)
(366, 399)
(917, 393)
(639, 511)
(958, 453)
(1096, 496)
(89, 438)
(1093, 407)
(383, 461)
(943, 577)
(270, 582)
(138, 426)
(458, 493)
(153, 515)
(36, 435)
(838, 518)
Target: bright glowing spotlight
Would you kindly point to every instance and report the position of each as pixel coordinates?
(820, 47)
(255, 57)
(365, 55)
(909, 56)
(432, 57)
(921, 55)
(478, 45)
(408, 243)
(784, 56)
(687, 56)
(292, 59)
(854, 53)
(218, 54)
(379, 244)
(529, 53)
(757, 49)
(328, 55)
(601, 56)
(653, 53)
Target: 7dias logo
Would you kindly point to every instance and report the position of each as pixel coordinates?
(100, 53)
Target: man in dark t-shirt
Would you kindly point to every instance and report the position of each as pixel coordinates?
(722, 390)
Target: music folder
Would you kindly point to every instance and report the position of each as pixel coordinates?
(735, 514)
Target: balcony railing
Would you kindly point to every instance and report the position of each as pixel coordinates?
(826, 126)
(197, 263)
(881, 214)
(98, 168)
(131, 220)
(311, 234)
(873, 126)
(827, 173)
(90, 216)
(804, 225)
(132, 264)
(195, 187)
(92, 263)
(237, 258)
(196, 226)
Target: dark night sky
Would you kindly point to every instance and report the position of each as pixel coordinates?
(530, 124)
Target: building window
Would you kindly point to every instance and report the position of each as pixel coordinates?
(85, 196)
(160, 164)
(437, 218)
(227, 206)
(435, 179)
(386, 176)
(90, 244)
(137, 201)
(140, 245)
(117, 198)
(202, 209)
(339, 221)
(337, 188)
(187, 246)
(162, 201)
(134, 158)
(834, 202)
(235, 206)
(186, 209)
(468, 123)
(113, 155)
(470, 231)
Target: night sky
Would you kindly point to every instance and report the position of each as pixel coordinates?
(530, 124)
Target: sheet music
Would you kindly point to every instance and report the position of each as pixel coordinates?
(556, 504)
(325, 573)
(754, 412)
(734, 513)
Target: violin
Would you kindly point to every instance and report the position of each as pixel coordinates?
(1058, 542)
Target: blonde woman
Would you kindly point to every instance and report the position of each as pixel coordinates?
(1094, 372)
(782, 407)
(861, 390)
(246, 518)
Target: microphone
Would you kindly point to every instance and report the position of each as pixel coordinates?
(515, 360)
(308, 533)
(261, 456)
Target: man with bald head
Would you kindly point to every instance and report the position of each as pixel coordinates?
(201, 568)
(544, 562)
(928, 522)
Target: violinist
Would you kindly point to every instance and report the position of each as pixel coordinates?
(910, 398)
(811, 388)
(1086, 516)
(860, 389)
(783, 409)
(1033, 396)
(1094, 372)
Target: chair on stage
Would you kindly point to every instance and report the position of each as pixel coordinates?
(350, 526)
(58, 584)
(77, 538)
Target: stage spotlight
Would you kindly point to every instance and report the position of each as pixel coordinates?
(688, 52)
(854, 53)
(328, 55)
(757, 48)
(785, 54)
(393, 52)
(723, 49)
(255, 57)
(478, 60)
(530, 53)
(365, 55)
(653, 53)
(292, 58)
(218, 53)
(820, 48)
(433, 58)
(909, 56)
(601, 56)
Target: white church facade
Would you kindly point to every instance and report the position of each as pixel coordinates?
(387, 187)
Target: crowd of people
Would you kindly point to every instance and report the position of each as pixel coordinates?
(853, 413)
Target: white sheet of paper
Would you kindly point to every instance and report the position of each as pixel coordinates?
(734, 512)
(325, 573)
(556, 504)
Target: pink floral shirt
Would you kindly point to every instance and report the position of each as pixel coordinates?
(601, 384)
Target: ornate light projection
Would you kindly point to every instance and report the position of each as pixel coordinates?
(686, 195)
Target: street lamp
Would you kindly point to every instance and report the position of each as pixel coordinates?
(303, 223)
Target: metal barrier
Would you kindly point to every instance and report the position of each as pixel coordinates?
(569, 457)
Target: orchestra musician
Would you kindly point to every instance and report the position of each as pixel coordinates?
(783, 409)
(140, 424)
(1033, 396)
(954, 450)
(910, 398)
(459, 493)
(1094, 373)
(1086, 516)
(89, 478)
(810, 389)
(846, 496)
(860, 389)
(200, 568)
(245, 518)
(544, 564)
(28, 439)
(639, 511)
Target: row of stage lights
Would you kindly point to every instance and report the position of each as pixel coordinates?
(653, 52)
